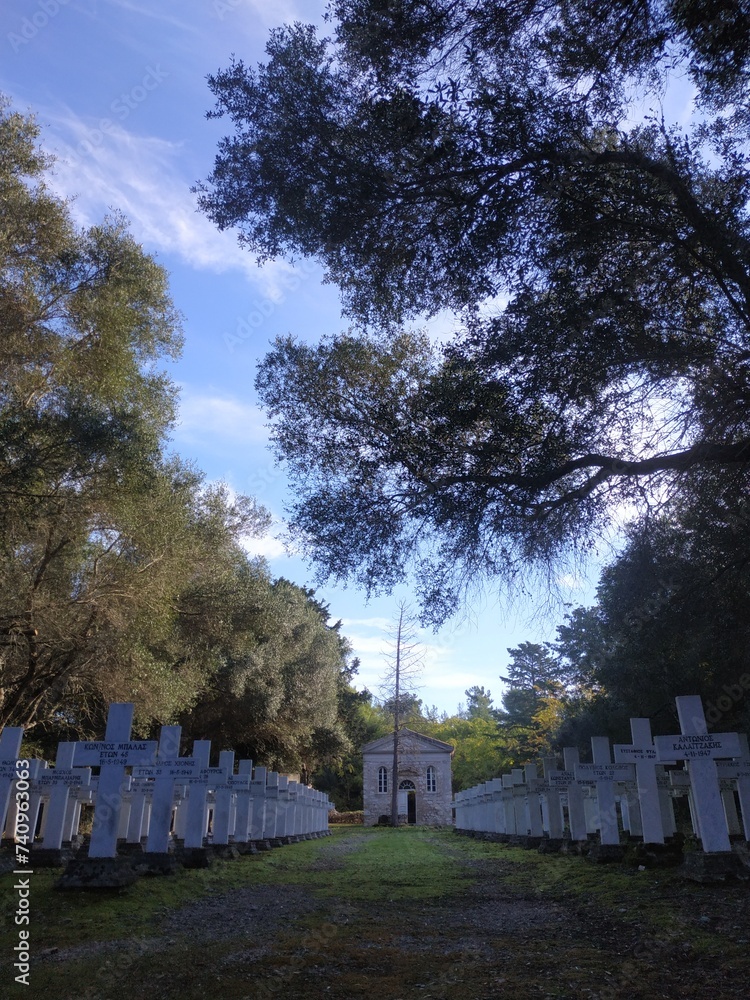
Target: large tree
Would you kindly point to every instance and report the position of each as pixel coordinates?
(108, 546)
(87, 323)
(495, 160)
(273, 696)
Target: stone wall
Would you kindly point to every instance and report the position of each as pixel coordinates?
(432, 808)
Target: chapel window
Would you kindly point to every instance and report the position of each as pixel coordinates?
(431, 779)
(382, 779)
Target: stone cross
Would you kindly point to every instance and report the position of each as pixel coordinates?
(642, 753)
(224, 793)
(167, 769)
(576, 808)
(78, 796)
(533, 801)
(554, 814)
(605, 774)
(272, 805)
(509, 812)
(242, 814)
(258, 792)
(497, 814)
(701, 749)
(60, 780)
(10, 747)
(136, 808)
(112, 755)
(195, 815)
(738, 770)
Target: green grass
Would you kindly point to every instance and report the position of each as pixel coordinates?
(389, 864)
(356, 875)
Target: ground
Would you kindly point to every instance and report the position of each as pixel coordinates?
(391, 914)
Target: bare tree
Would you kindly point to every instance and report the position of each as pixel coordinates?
(405, 658)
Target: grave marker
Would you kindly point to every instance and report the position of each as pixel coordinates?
(112, 755)
(10, 747)
(642, 753)
(195, 817)
(60, 780)
(738, 771)
(164, 772)
(576, 809)
(701, 749)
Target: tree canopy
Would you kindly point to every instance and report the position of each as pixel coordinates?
(123, 575)
(495, 160)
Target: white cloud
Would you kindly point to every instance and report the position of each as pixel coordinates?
(104, 167)
(202, 416)
(268, 547)
(378, 623)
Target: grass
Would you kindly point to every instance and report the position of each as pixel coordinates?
(380, 924)
(389, 865)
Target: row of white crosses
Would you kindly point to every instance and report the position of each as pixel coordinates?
(164, 795)
(632, 788)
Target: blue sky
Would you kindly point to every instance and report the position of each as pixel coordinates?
(120, 91)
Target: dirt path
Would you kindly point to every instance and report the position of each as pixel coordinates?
(398, 914)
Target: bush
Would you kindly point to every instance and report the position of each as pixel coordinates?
(353, 816)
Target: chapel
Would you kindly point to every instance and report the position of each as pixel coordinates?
(425, 794)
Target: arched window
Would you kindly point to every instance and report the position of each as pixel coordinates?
(431, 779)
(382, 779)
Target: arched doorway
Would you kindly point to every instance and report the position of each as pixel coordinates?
(407, 801)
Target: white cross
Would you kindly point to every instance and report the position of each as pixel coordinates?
(258, 792)
(605, 774)
(701, 749)
(244, 801)
(10, 747)
(739, 770)
(642, 753)
(112, 755)
(168, 768)
(60, 780)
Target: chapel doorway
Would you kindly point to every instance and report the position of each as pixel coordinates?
(407, 801)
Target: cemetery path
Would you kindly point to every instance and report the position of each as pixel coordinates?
(396, 914)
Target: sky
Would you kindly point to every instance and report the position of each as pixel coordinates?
(119, 89)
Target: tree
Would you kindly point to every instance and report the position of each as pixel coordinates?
(482, 749)
(84, 409)
(479, 704)
(670, 618)
(532, 705)
(443, 156)
(273, 697)
(362, 721)
(404, 659)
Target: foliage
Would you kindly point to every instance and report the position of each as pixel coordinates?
(84, 408)
(481, 751)
(490, 159)
(671, 618)
(122, 573)
(479, 703)
(273, 698)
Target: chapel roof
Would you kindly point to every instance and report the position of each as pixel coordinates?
(386, 742)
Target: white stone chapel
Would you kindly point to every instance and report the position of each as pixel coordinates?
(424, 779)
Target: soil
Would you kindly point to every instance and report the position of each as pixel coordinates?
(494, 935)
